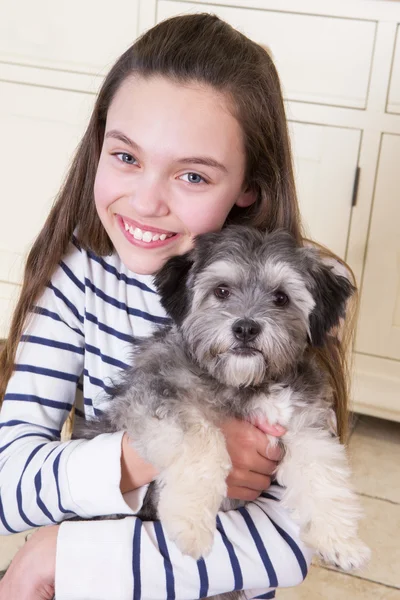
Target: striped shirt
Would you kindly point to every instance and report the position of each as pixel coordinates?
(77, 342)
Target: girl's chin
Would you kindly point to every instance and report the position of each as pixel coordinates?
(147, 262)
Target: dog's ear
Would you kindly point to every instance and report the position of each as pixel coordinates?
(331, 290)
(171, 282)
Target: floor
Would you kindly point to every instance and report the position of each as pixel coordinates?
(375, 456)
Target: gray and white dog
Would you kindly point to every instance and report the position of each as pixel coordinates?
(246, 309)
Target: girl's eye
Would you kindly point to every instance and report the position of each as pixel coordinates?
(126, 158)
(280, 299)
(194, 178)
(222, 292)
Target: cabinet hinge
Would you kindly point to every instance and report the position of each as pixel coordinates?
(355, 186)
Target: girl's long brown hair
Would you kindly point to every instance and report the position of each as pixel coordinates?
(193, 48)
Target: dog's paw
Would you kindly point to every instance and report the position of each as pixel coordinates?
(346, 553)
(192, 538)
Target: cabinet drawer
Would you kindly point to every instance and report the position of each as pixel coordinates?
(320, 59)
(393, 103)
(41, 128)
(77, 36)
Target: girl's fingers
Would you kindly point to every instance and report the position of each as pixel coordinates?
(246, 493)
(275, 430)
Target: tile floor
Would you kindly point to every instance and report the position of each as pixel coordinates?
(375, 456)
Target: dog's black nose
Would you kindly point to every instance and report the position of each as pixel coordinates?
(245, 330)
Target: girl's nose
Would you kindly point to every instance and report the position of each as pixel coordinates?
(148, 199)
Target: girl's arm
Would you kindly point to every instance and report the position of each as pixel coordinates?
(42, 480)
(256, 548)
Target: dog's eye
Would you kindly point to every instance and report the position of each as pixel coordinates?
(281, 299)
(222, 292)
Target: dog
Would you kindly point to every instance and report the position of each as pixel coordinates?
(246, 308)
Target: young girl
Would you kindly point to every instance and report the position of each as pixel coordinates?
(188, 133)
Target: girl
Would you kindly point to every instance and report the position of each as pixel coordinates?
(188, 133)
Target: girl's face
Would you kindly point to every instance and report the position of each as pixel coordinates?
(171, 167)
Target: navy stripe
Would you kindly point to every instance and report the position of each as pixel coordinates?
(137, 584)
(72, 277)
(19, 493)
(204, 584)
(120, 276)
(40, 435)
(97, 382)
(33, 339)
(79, 413)
(237, 572)
(87, 402)
(76, 243)
(102, 327)
(106, 359)
(169, 572)
(4, 520)
(67, 302)
(121, 305)
(38, 400)
(55, 432)
(295, 549)
(38, 487)
(273, 580)
(56, 464)
(47, 372)
(267, 595)
(269, 496)
(48, 313)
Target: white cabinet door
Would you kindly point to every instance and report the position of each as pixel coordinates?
(393, 101)
(325, 160)
(80, 36)
(379, 321)
(40, 129)
(319, 59)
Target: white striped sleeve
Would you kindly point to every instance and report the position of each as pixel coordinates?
(43, 481)
(256, 548)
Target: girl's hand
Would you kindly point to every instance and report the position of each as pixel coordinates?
(253, 460)
(135, 472)
(31, 575)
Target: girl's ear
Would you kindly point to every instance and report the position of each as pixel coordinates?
(171, 282)
(246, 198)
(331, 292)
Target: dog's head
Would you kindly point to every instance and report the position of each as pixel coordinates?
(249, 303)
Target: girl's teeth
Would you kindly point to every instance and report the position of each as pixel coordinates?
(146, 236)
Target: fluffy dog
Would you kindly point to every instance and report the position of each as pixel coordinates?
(246, 308)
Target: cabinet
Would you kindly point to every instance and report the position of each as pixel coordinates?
(41, 128)
(339, 63)
(320, 153)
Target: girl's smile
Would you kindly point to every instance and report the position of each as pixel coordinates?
(143, 236)
(171, 167)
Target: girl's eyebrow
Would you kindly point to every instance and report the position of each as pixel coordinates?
(199, 160)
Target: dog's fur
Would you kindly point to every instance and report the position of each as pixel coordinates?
(246, 309)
